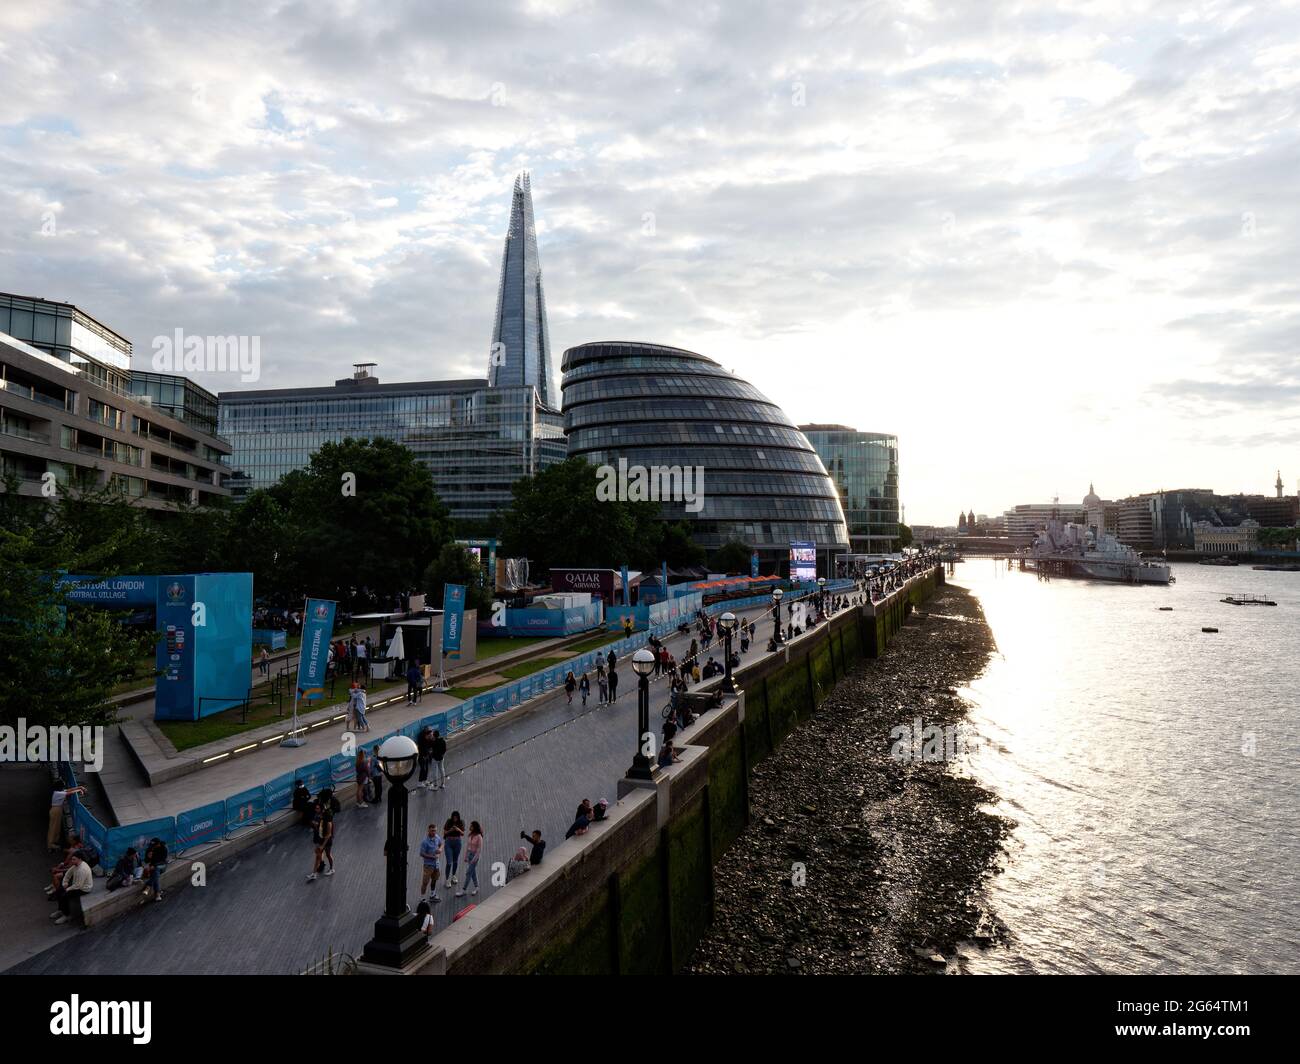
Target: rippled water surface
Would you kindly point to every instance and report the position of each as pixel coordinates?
(1153, 771)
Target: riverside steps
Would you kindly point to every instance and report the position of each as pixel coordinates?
(634, 895)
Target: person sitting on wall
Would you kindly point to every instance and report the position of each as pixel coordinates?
(126, 871)
(601, 810)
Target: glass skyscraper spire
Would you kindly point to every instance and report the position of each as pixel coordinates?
(521, 345)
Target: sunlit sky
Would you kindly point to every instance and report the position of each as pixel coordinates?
(1044, 244)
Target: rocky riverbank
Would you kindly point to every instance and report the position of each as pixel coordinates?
(857, 859)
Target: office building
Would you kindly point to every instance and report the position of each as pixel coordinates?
(476, 441)
(521, 345)
(864, 466)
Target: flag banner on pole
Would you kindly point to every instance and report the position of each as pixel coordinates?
(313, 655)
(453, 613)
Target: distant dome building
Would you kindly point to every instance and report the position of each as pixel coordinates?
(651, 405)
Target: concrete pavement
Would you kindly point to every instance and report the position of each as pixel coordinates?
(257, 913)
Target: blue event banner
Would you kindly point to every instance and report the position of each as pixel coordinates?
(313, 655)
(453, 614)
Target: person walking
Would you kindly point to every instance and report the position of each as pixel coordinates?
(438, 749)
(610, 660)
(414, 684)
(569, 685)
(322, 837)
(54, 837)
(363, 657)
(602, 684)
(363, 777)
(584, 686)
(430, 852)
(613, 685)
(473, 850)
(264, 663)
(376, 772)
(453, 835)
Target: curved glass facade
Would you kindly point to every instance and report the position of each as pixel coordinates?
(651, 405)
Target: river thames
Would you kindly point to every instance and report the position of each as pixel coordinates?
(1151, 770)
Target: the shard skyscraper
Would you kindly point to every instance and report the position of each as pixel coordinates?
(521, 345)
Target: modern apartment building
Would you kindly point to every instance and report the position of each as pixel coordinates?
(71, 410)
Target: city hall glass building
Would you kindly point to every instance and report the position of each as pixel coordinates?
(864, 466)
(476, 441)
(764, 483)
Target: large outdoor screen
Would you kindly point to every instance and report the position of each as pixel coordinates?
(803, 561)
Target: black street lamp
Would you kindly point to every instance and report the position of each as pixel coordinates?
(643, 664)
(397, 933)
(821, 595)
(727, 622)
(777, 593)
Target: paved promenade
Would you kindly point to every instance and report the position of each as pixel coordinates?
(257, 913)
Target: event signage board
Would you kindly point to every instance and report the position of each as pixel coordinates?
(599, 582)
(313, 655)
(113, 591)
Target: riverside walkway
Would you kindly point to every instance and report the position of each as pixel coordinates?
(258, 914)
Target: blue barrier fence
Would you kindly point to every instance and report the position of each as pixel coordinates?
(249, 808)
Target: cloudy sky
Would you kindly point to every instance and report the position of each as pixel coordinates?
(1042, 242)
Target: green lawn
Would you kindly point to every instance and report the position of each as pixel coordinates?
(595, 641)
(510, 672)
(494, 648)
(186, 734)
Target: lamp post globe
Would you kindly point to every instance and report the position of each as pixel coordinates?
(643, 664)
(397, 933)
(821, 595)
(727, 622)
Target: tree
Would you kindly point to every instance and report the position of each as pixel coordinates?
(61, 661)
(456, 565)
(555, 519)
(677, 548)
(366, 521)
(732, 558)
(904, 537)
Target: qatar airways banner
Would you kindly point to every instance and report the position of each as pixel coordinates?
(589, 581)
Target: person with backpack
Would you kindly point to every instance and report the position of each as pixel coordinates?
(438, 750)
(323, 838)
